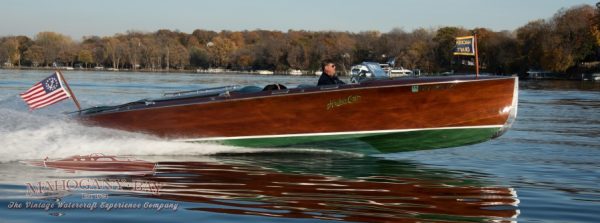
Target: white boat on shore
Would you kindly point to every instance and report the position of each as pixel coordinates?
(400, 72)
(295, 72)
(265, 72)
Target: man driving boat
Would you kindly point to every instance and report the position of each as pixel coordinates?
(328, 77)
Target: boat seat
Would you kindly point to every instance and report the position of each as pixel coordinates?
(250, 89)
(273, 87)
(305, 86)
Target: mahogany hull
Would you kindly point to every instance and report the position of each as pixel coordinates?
(387, 116)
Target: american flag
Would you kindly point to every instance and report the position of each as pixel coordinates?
(46, 92)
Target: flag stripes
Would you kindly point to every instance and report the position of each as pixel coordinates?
(44, 93)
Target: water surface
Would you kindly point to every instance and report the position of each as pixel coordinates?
(545, 169)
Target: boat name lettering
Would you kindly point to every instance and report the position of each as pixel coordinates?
(334, 103)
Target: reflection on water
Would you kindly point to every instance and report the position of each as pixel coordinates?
(319, 186)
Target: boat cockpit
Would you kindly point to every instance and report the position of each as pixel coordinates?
(363, 72)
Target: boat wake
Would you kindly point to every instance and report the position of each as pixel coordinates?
(25, 136)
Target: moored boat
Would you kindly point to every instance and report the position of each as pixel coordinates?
(265, 72)
(400, 72)
(295, 72)
(375, 114)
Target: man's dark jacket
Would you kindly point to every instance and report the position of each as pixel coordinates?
(327, 80)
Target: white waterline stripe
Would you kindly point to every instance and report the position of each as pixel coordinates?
(337, 133)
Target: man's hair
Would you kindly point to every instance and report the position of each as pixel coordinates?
(324, 63)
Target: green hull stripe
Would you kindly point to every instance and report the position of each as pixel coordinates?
(376, 142)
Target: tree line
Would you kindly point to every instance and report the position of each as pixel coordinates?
(568, 42)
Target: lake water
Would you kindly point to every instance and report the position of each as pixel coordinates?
(545, 169)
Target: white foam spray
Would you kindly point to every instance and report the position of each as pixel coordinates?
(25, 136)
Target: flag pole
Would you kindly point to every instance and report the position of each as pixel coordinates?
(476, 57)
(69, 89)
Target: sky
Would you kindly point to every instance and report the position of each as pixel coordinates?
(78, 18)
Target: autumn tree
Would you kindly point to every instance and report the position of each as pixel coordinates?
(167, 41)
(85, 56)
(24, 43)
(53, 45)
(199, 57)
(419, 52)
(95, 45)
(35, 55)
(365, 49)
(497, 51)
(595, 24)
(151, 52)
(243, 59)
(178, 55)
(530, 42)
(572, 38)
(112, 48)
(68, 53)
(271, 51)
(220, 49)
(133, 50)
(9, 51)
(392, 44)
(554, 57)
(204, 36)
(560, 43)
(297, 56)
(445, 39)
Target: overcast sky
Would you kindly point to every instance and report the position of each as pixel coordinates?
(77, 18)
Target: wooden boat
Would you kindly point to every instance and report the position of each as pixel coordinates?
(370, 116)
(97, 162)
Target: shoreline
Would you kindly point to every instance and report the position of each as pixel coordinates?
(174, 71)
(218, 71)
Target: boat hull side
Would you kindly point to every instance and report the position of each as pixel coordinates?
(373, 142)
(384, 117)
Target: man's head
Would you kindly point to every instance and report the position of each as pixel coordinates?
(328, 67)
